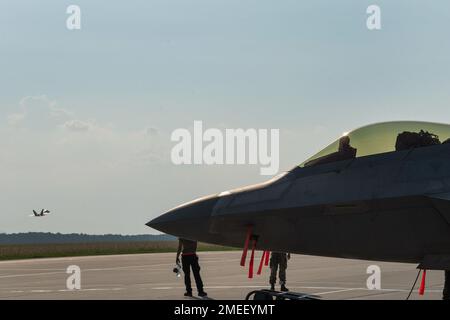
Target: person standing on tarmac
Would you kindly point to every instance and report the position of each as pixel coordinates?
(189, 259)
(278, 260)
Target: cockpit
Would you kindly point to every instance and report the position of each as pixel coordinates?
(382, 138)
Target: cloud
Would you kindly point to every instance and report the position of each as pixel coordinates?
(55, 111)
(72, 143)
(77, 125)
(38, 112)
(15, 119)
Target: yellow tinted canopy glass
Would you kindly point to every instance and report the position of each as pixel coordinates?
(382, 138)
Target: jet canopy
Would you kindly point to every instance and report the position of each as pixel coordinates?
(381, 138)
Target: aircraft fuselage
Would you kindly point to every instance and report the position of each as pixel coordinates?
(390, 207)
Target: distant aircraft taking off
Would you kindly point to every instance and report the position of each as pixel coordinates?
(43, 213)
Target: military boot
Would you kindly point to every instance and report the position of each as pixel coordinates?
(283, 288)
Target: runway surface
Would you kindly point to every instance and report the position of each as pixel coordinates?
(150, 276)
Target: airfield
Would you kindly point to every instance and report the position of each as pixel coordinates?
(150, 276)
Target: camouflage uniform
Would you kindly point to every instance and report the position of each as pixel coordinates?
(278, 259)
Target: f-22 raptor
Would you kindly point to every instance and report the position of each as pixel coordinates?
(40, 214)
(381, 192)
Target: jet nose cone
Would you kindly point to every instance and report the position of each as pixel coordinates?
(189, 220)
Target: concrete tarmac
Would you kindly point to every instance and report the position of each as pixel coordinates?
(150, 276)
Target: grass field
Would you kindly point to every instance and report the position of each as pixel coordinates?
(31, 251)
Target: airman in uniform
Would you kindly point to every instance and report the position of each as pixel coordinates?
(278, 261)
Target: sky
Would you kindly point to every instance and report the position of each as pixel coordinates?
(86, 115)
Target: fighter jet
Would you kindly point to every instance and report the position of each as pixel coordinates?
(381, 192)
(41, 214)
